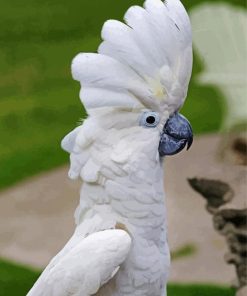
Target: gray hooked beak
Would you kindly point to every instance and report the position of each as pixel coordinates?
(177, 133)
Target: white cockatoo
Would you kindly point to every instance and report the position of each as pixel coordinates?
(132, 90)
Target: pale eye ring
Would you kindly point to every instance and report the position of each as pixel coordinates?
(149, 119)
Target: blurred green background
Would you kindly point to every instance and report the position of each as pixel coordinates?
(16, 280)
(39, 101)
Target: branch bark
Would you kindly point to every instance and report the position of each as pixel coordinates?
(230, 222)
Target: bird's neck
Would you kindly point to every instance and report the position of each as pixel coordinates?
(135, 201)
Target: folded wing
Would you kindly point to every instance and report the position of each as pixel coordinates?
(88, 265)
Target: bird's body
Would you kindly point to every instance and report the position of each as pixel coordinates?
(125, 192)
(129, 195)
(132, 91)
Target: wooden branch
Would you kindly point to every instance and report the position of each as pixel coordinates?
(230, 222)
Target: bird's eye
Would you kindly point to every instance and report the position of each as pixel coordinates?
(149, 119)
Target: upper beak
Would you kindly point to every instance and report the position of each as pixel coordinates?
(177, 133)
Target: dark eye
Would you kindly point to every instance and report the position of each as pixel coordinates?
(149, 119)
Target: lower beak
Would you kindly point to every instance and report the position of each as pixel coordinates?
(177, 134)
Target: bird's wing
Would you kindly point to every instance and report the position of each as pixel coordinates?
(145, 61)
(87, 266)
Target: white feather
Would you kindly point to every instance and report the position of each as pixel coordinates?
(101, 71)
(145, 62)
(68, 143)
(103, 97)
(119, 42)
(85, 267)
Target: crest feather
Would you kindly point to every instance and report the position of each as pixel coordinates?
(146, 62)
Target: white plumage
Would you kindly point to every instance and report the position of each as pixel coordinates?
(120, 243)
(71, 273)
(148, 59)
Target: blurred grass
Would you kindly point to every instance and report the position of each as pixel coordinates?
(16, 280)
(198, 290)
(39, 100)
(184, 251)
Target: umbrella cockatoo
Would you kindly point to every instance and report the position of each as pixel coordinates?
(132, 90)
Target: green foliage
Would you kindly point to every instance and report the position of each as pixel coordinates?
(39, 100)
(198, 290)
(192, 3)
(16, 280)
(184, 251)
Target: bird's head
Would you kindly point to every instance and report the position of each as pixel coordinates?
(135, 86)
(132, 131)
(148, 131)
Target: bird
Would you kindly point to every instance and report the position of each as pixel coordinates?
(132, 90)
